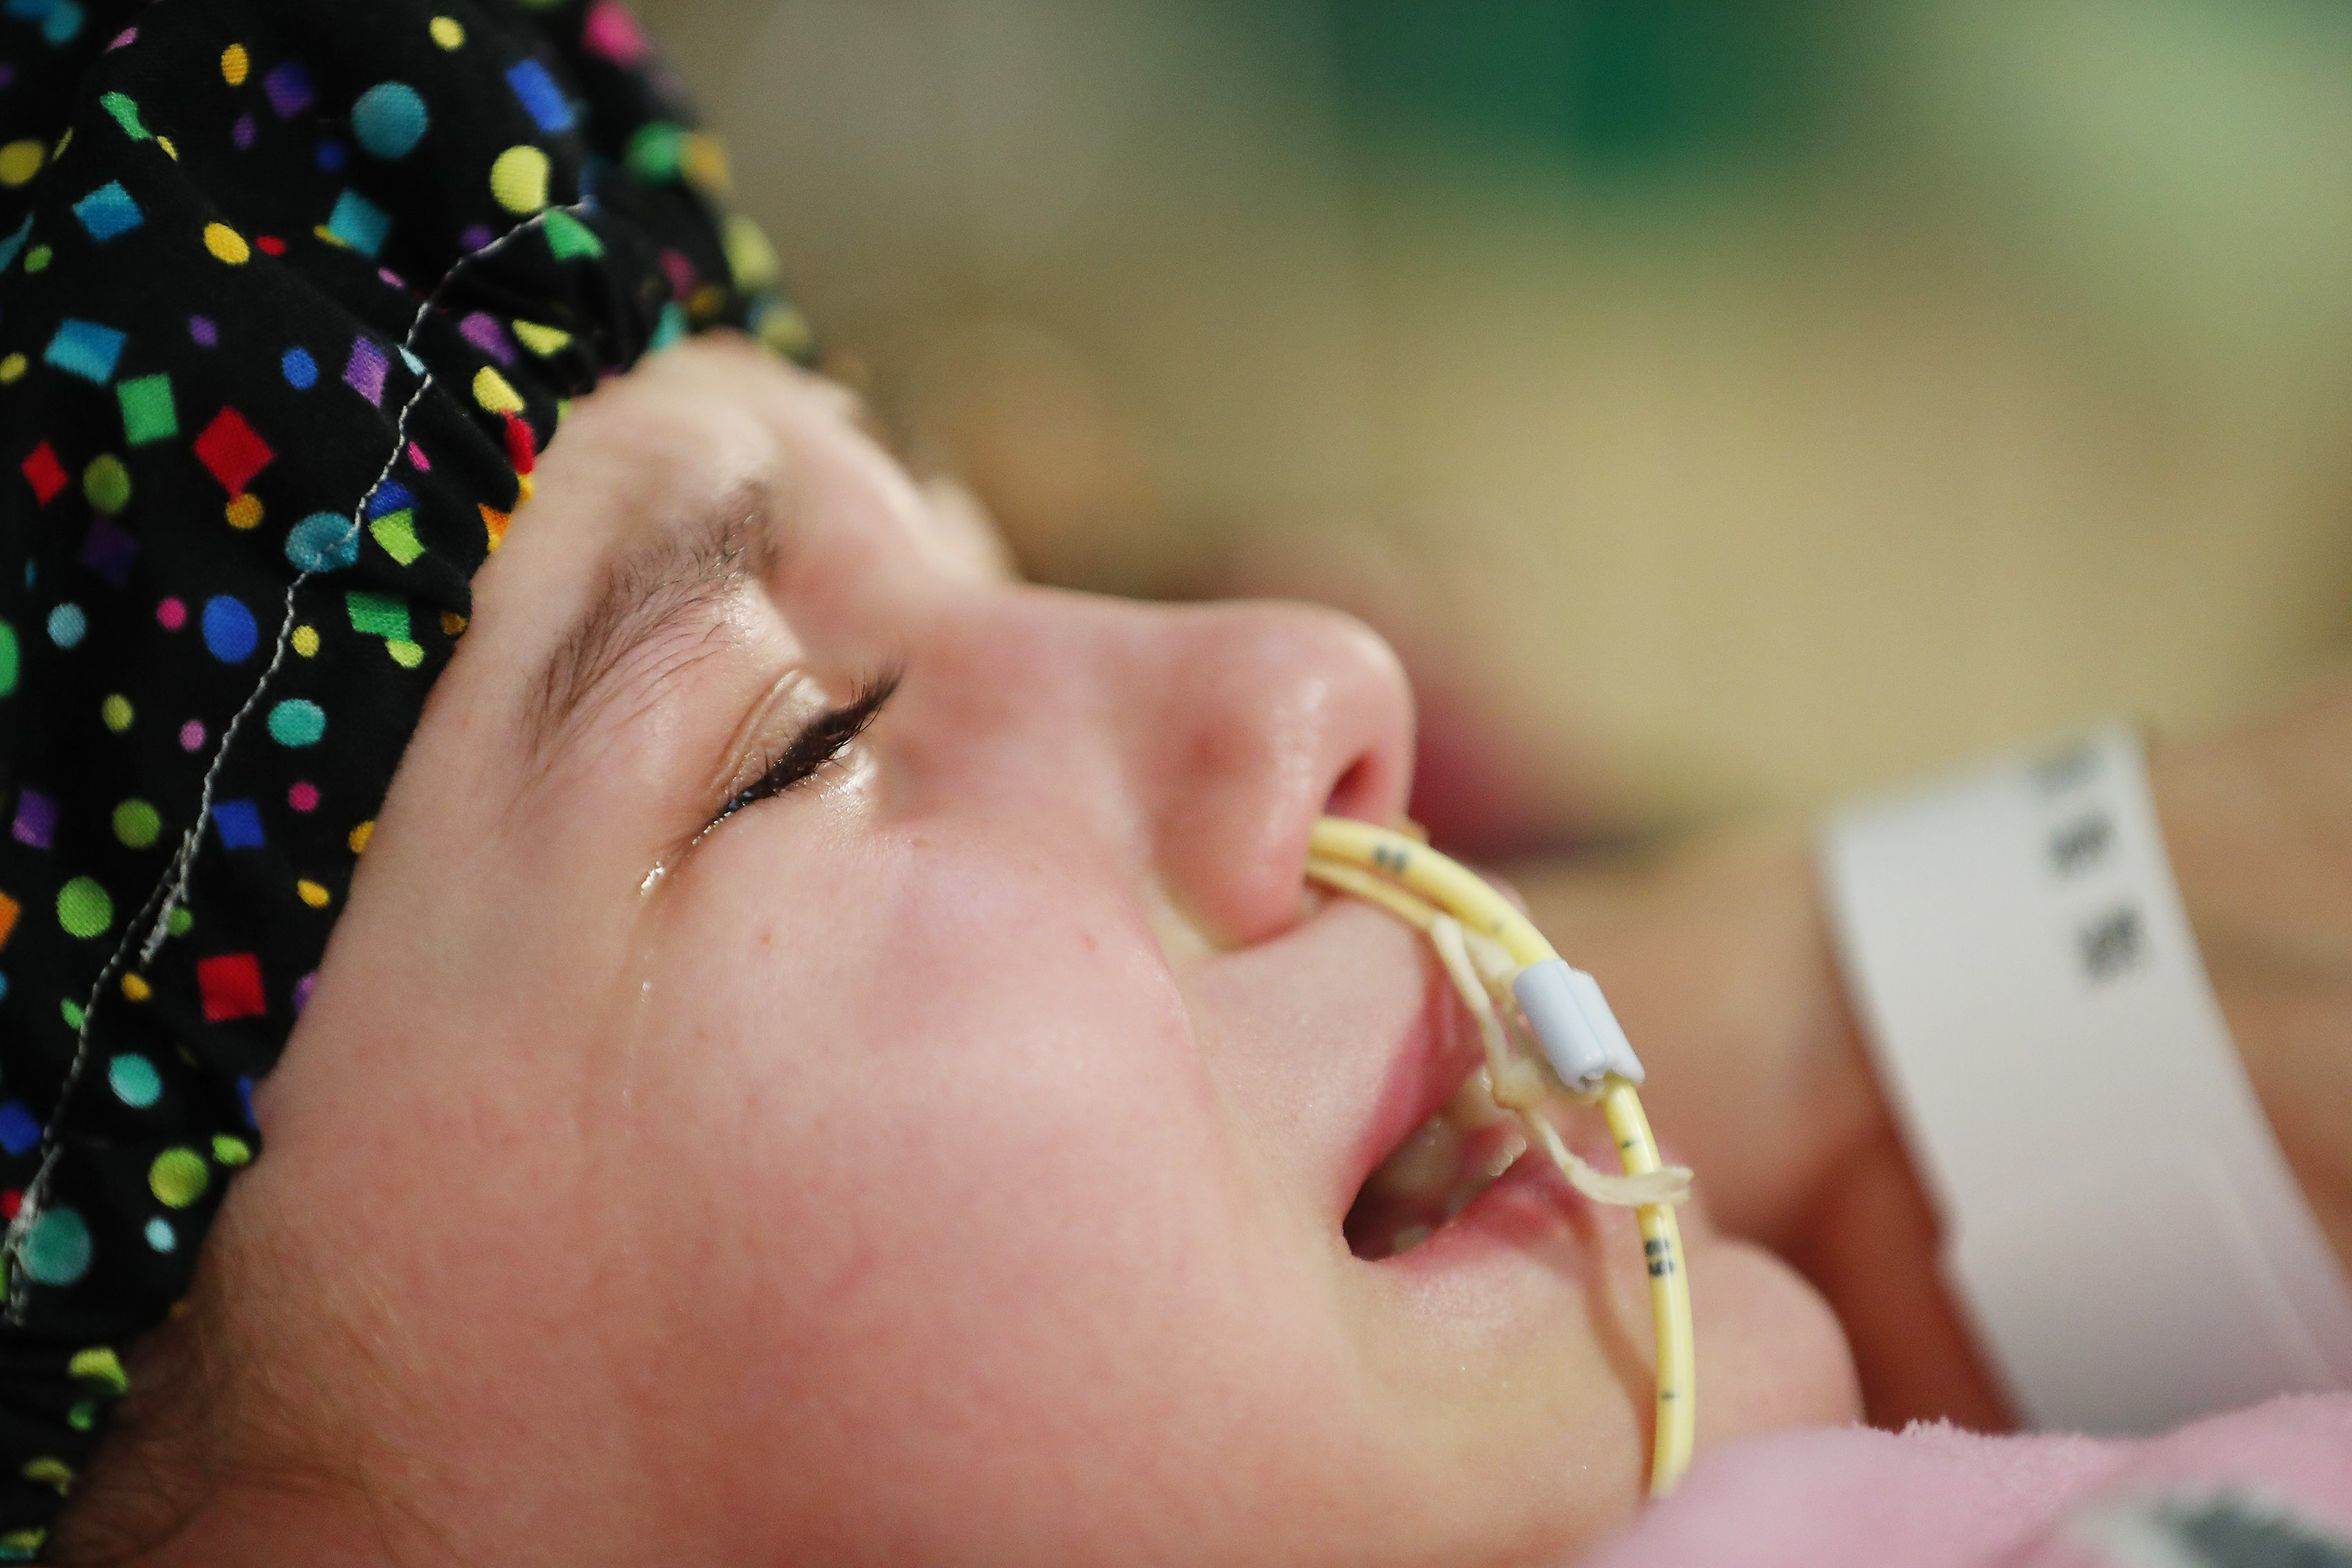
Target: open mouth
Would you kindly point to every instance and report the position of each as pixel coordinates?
(1459, 1151)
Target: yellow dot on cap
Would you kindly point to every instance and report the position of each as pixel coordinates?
(749, 255)
(169, 151)
(178, 1177)
(234, 64)
(136, 988)
(702, 158)
(785, 330)
(518, 178)
(243, 510)
(101, 1366)
(49, 1470)
(306, 640)
(312, 893)
(447, 31)
(406, 654)
(226, 244)
(11, 368)
(359, 836)
(115, 712)
(20, 161)
(541, 339)
(495, 393)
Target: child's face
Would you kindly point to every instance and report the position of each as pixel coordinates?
(942, 1161)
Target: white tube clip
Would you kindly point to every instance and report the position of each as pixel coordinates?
(1580, 1036)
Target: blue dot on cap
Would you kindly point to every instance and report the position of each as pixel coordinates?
(389, 119)
(297, 722)
(229, 632)
(20, 1129)
(67, 625)
(301, 370)
(134, 1080)
(323, 542)
(161, 1236)
(56, 1247)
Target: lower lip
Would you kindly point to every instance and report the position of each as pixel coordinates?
(1530, 1208)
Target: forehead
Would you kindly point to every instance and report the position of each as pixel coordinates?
(654, 460)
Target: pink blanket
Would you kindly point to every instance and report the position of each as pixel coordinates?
(2269, 1487)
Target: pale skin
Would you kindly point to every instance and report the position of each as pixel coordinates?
(944, 1161)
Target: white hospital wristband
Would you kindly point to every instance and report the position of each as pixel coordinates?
(2119, 1221)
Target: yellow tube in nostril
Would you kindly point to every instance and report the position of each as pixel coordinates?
(1427, 890)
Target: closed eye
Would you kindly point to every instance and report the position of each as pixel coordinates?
(816, 745)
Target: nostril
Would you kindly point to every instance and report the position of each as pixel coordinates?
(1356, 793)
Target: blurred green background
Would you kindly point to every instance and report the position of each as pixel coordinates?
(1720, 405)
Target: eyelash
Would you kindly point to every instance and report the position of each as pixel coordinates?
(819, 744)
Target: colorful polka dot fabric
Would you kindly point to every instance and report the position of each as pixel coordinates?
(291, 294)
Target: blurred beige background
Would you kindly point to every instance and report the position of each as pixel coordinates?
(1721, 408)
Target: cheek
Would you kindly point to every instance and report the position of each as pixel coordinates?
(1774, 1355)
(949, 1155)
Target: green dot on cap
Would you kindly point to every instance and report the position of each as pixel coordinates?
(83, 908)
(655, 151)
(106, 483)
(137, 824)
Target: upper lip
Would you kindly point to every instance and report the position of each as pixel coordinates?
(1434, 1050)
(1346, 1031)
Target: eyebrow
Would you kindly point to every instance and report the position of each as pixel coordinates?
(651, 589)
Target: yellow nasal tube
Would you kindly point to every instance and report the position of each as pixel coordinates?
(1419, 885)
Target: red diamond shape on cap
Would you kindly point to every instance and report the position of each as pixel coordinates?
(522, 452)
(233, 450)
(44, 473)
(230, 985)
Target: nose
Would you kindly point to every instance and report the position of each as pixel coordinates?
(1271, 714)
